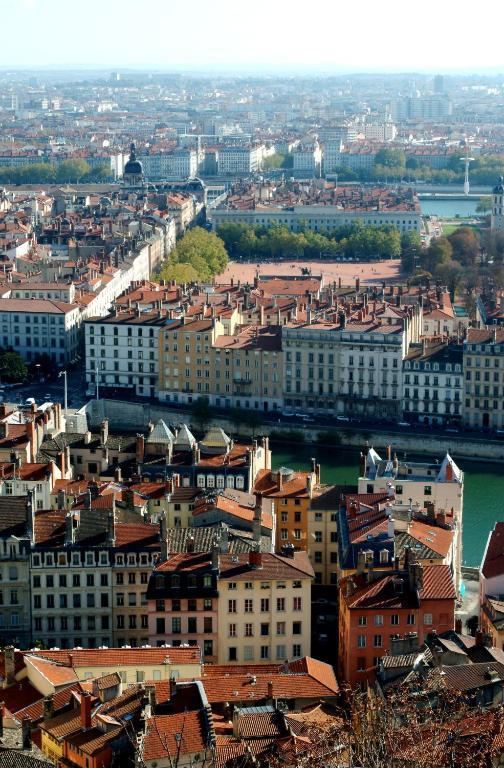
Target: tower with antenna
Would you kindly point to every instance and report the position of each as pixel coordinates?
(466, 160)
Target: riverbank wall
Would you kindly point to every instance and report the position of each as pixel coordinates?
(134, 416)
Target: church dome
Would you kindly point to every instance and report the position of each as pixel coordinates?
(133, 166)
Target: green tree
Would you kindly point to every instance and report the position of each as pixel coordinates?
(203, 251)
(411, 245)
(12, 366)
(390, 158)
(484, 204)
(201, 414)
(274, 161)
(440, 251)
(465, 244)
(72, 170)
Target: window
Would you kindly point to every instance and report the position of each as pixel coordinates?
(280, 652)
(394, 619)
(249, 606)
(265, 604)
(297, 650)
(160, 626)
(207, 625)
(280, 628)
(361, 641)
(192, 625)
(377, 641)
(410, 619)
(427, 619)
(378, 620)
(362, 621)
(232, 654)
(249, 585)
(296, 627)
(176, 625)
(249, 630)
(280, 604)
(231, 606)
(427, 490)
(232, 630)
(296, 603)
(264, 652)
(231, 584)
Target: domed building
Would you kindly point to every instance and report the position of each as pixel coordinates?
(133, 175)
(497, 218)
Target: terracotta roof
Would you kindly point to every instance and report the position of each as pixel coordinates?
(19, 696)
(49, 526)
(60, 700)
(184, 733)
(136, 535)
(115, 657)
(63, 725)
(267, 484)
(94, 739)
(238, 567)
(57, 675)
(493, 559)
(381, 593)
(285, 686)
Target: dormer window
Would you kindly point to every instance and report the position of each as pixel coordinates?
(384, 556)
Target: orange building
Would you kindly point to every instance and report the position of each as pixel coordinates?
(292, 493)
(378, 606)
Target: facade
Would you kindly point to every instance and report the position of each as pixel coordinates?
(433, 384)
(484, 378)
(36, 327)
(238, 160)
(497, 215)
(349, 367)
(178, 164)
(246, 607)
(376, 607)
(16, 514)
(233, 370)
(121, 349)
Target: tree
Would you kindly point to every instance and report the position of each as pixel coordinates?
(465, 245)
(12, 366)
(390, 158)
(201, 414)
(204, 251)
(439, 251)
(411, 244)
(484, 204)
(72, 170)
(274, 161)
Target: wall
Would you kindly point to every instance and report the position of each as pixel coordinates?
(132, 416)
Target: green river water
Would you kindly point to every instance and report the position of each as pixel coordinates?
(483, 488)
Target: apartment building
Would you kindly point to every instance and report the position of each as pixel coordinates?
(239, 369)
(16, 533)
(178, 164)
(306, 160)
(433, 384)
(89, 578)
(376, 607)
(484, 378)
(235, 160)
(349, 367)
(36, 327)
(121, 349)
(243, 608)
(291, 493)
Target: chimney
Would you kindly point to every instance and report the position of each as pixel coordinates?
(69, 529)
(458, 626)
(163, 533)
(61, 499)
(215, 557)
(479, 638)
(140, 449)
(357, 284)
(255, 557)
(118, 475)
(85, 710)
(270, 690)
(389, 453)
(361, 562)
(4, 429)
(449, 473)
(61, 464)
(3, 410)
(26, 733)
(190, 543)
(224, 539)
(104, 431)
(279, 480)
(362, 465)
(257, 521)
(10, 674)
(309, 485)
(48, 707)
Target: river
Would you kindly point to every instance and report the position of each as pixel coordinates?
(483, 488)
(448, 209)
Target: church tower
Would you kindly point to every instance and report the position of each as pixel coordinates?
(497, 218)
(133, 175)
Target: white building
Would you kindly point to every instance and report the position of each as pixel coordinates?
(179, 164)
(35, 327)
(497, 217)
(237, 160)
(380, 132)
(307, 160)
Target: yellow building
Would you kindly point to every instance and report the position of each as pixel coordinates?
(230, 365)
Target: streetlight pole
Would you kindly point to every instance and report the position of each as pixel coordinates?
(64, 373)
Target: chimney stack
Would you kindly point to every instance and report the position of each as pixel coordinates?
(85, 710)
(10, 674)
(48, 707)
(140, 449)
(255, 557)
(104, 431)
(26, 733)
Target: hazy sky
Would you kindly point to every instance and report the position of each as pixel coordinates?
(337, 35)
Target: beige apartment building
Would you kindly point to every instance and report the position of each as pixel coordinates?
(232, 366)
(484, 378)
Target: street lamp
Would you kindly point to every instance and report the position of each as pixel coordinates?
(60, 374)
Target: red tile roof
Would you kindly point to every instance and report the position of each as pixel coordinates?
(184, 733)
(115, 657)
(493, 562)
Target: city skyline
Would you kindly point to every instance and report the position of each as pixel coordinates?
(266, 41)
